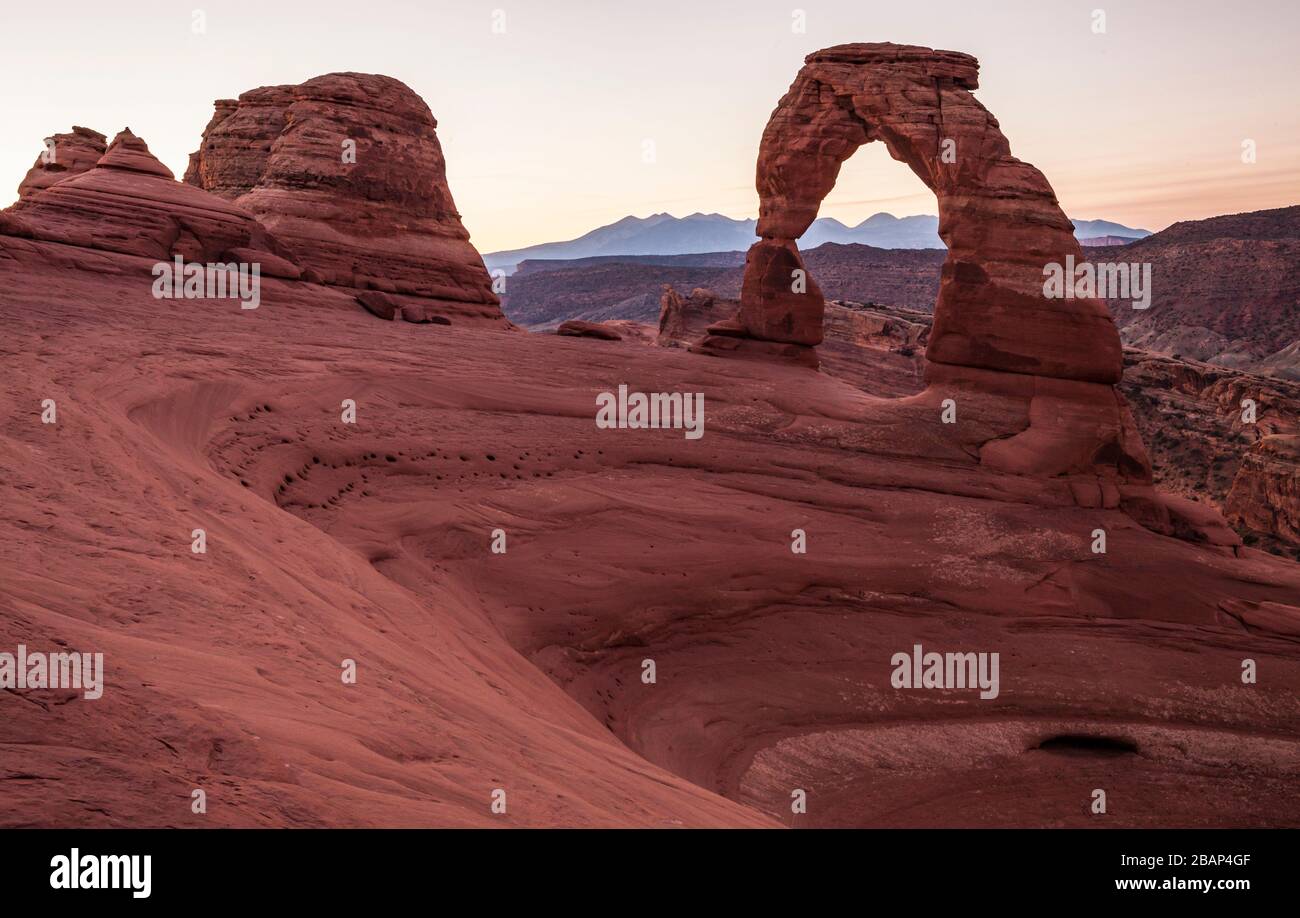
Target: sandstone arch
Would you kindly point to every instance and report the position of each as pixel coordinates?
(1036, 376)
(998, 216)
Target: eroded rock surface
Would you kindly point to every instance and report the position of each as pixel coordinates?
(1224, 437)
(998, 216)
(878, 349)
(346, 169)
(576, 328)
(129, 203)
(370, 542)
(65, 155)
(1225, 290)
(1039, 371)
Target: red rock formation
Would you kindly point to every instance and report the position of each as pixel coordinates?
(1038, 373)
(1191, 416)
(542, 294)
(683, 320)
(997, 215)
(408, 308)
(778, 301)
(879, 350)
(1188, 414)
(371, 541)
(576, 328)
(540, 299)
(130, 204)
(1265, 495)
(69, 154)
(385, 221)
(1224, 290)
(380, 304)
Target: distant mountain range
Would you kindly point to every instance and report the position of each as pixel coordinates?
(664, 234)
(1225, 290)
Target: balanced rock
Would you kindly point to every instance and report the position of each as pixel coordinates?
(346, 170)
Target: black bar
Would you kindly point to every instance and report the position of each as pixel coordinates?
(991, 866)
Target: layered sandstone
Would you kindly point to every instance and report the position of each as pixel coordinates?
(65, 155)
(1188, 415)
(346, 169)
(1265, 495)
(371, 542)
(1038, 372)
(1223, 437)
(878, 349)
(577, 328)
(997, 215)
(1224, 290)
(129, 203)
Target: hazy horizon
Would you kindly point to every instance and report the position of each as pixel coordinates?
(545, 125)
(851, 224)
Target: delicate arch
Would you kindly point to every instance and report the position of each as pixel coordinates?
(998, 216)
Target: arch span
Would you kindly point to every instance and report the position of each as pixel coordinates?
(998, 216)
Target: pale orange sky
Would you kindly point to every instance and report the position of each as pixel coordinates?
(545, 125)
